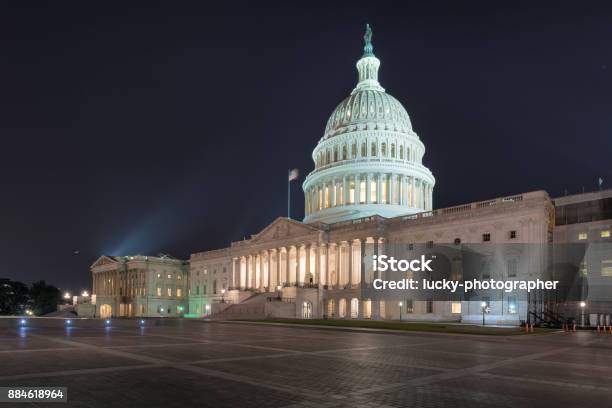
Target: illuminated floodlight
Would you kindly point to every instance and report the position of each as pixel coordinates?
(29, 312)
(85, 293)
(67, 295)
(582, 304)
(278, 288)
(483, 304)
(142, 322)
(23, 322)
(107, 322)
(68, 322)
(401, 304)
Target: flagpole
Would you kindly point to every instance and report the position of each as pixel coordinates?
(289, 195)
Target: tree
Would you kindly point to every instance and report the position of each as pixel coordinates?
(13, 297)
(45, 298)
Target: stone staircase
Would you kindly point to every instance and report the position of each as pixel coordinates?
(257, 307)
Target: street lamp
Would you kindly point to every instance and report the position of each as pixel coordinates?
(85, 293)
(400, 304)
(483, 305)
(207, 309)
(278, 289)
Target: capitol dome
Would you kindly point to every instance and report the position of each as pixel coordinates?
(364, 108)
(369, 160)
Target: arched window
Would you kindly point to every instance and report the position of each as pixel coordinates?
(331, 308)
(336, 154)
(344, 152)
(393, 150)
(383, 149)
(342, 308)
(354, 151)
(364, 150)
(401, 152)
(354, 308)
(373, 150)
(408, 153)
(307, 310)
(327, 158)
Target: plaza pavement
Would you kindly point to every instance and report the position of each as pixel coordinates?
(179, 363)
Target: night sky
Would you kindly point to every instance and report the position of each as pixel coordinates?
(170, 127)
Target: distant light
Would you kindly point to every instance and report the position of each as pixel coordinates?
(107, 322)
(29, 312)
(222, 291)
(68, 322)
(142, 322)
(85, 293)
(161, 309)
(66, 295)
(23, 321)
(483, 304)
(278, 287)
(401, 304)
(582, 304)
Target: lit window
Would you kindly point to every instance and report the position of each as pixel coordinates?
(158, 292)
(169, 290)
(606, 267)
(179, 292)
(362, 191)
(582, 236)
(169, 276)
(512, 307)
(158, 275)
(352, 192)
(373, 191)
(456, 308)
(605, 234)
(179, 277)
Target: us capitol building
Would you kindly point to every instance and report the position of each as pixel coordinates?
(370, 194)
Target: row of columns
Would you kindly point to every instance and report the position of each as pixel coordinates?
(339, 265)
(389, 189)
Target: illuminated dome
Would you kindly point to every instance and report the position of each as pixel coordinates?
(369, 160)
(365, 109)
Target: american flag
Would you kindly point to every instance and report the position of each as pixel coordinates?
(293, 174)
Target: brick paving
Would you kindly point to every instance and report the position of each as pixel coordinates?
(194, 363)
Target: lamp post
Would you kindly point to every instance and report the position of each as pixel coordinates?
(483, 305)
(582, 318)
(222, 295)
(278, 289)
(207, 309)
(400, 304)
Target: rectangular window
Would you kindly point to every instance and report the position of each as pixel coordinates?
(430, 305)
(179, 292)
(383, 190)
(512, 234)
(373, 191)
(352, 192)
(169, 291)
(409, 306)
(326, 197)
(582, 236)
(430, 244)
(362, 191)
(606, 267)
(456, 307)
(605, 234)
(158, 292)
(486, 237)
(197, 290)
(169, 276)
(512, 267)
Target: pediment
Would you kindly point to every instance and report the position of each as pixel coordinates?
(103, 260)
(283, 228)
